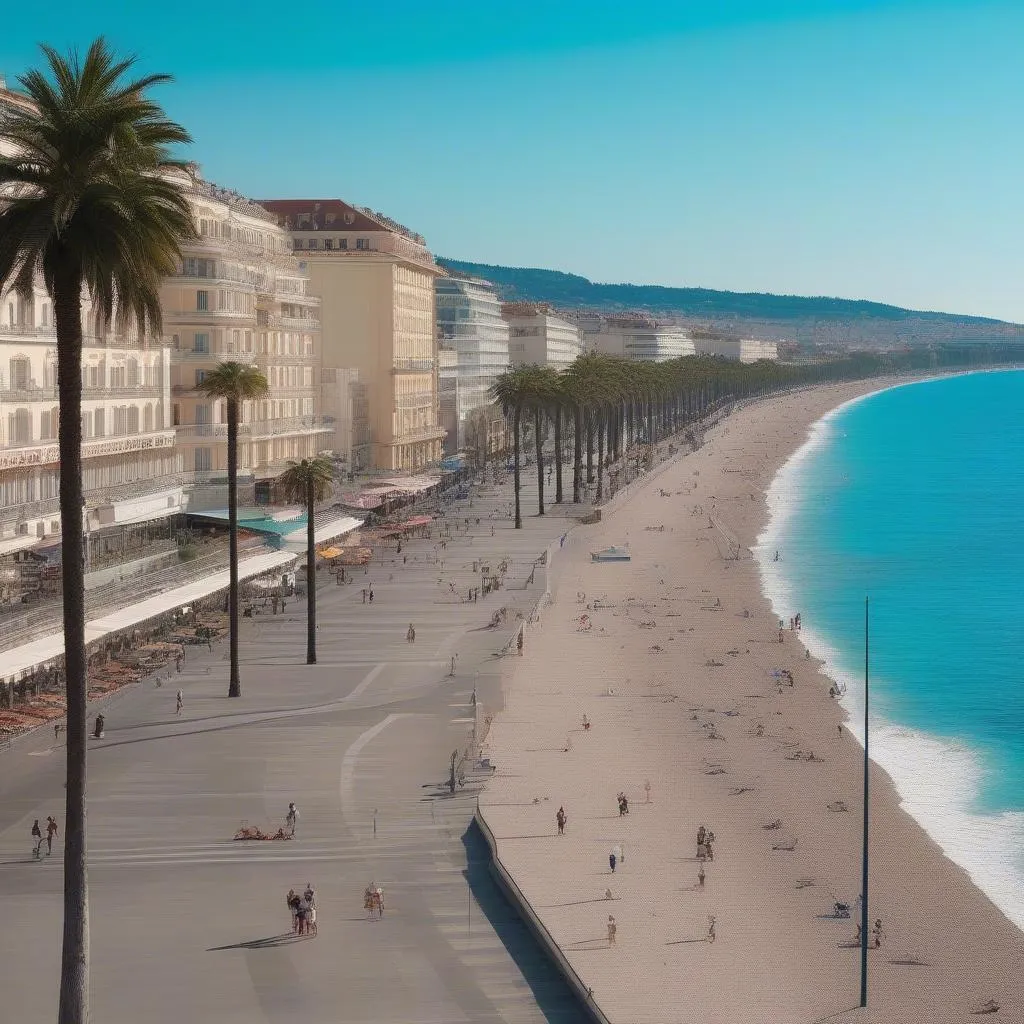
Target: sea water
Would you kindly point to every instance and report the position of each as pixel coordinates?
(914, 497)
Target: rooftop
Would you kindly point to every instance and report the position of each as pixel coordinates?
(336, 214)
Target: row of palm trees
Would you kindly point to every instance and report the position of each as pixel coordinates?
(87, 206)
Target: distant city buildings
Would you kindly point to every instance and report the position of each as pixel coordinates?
(538, 336)
(746, 350)
(473, 342)
(638, 338)
(376, 282)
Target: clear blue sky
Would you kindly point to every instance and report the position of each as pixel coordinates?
(863, 149)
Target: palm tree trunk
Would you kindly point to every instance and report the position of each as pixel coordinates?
(234, 680)
(74, 970)
(590, 447)
(600, 459)
(577, 455)
(539, 444)
(310, 576)
(516, 422)
(558, 455)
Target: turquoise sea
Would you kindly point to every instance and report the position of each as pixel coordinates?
(914, 497)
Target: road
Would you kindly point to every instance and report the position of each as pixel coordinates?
(189, 925)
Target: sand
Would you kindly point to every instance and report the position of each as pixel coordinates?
(676, 680)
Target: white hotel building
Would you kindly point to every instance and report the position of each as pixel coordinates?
(639, 338)
(538, 336)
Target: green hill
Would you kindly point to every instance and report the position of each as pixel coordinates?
(815, 319)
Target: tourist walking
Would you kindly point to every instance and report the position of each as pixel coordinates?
(370, 594)
(292, 817)
(179, 703)
(876, 934)
(711, 929)
(611, 862)
(700, 876)
(309, 899)
(293, 900)
(410, 634)
(560, 820)
(51, 831)
(612, 929)
(37, 837)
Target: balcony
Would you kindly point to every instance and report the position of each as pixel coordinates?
(413, 366)
(257, 430)
(19, 396)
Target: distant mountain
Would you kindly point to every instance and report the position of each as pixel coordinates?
(808, 320)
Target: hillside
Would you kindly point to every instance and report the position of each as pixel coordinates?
(809, 320)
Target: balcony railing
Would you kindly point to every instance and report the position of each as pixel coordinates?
(413, 366)
(257, 429)
(27, 394)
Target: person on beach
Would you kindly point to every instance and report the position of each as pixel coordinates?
(370, 594)
(612, 929)
(876, 934)
(292, 902)
(780, 634)
(700, 876)
(37, 836)
(179, 702)
(611, 862)
(711, 929)
(292, 817)
(51, 831)
(309, 899)
(560, 820)
(586, 724)
(701, 835)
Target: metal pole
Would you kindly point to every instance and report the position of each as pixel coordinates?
(864, 855)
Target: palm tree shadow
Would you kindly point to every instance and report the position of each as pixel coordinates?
(270, 942)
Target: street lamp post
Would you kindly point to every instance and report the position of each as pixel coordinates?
(864, 851)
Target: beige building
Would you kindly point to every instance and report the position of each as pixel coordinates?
(376, 282)
(241, 295)
(746, 350)
(131, 471)
(538, 336)
(639, 338)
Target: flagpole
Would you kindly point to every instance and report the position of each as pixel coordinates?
(864, 853)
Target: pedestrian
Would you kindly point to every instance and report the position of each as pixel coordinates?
(364, 595)
(51, 831)
(292, 817)
(560, 820)
(57, 729)
(371, 595)
(177, 662)
(179, 703)
(780, 634)
(711, 929)
(840, 728)
(612, 929)
(37, 836)
(611, 862)
(586, 723)
(309, 897)
(292, 902)
(700, 876)
(876, 933)
(410, 634)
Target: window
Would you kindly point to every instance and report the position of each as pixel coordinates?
(147, 419)
(296, 243)
(133, 419)
(312, 243)
(342, 243)
(200, 377)
(44, 315)
(86, 424)
(202, 301)
(99, 427)
(202, 343)
(362, 243)
(20, 374)
(19, 426)
(203, 414)
(204, 460)
(328, 244)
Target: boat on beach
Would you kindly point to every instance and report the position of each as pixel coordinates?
(616, 553)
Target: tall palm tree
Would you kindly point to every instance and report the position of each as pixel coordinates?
(86, 208)
(308, 481)
(513, 390)
(235, 383)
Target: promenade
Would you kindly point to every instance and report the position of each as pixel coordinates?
(189, 925)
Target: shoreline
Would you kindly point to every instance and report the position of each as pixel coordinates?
(675, 680)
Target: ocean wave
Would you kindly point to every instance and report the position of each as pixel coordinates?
(938, 780)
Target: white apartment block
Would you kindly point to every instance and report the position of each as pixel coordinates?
(639, 338)
(746, 350)
(240, 295)
(537, 336)
(473, 340)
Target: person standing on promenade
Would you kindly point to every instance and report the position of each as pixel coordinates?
(560, 820)
(410, 635)
(37, 836)
(700, 876)
(370, 593)
(876, 934)
(364, 595)
(612, 929)
(51, 831)
(611, 862)
(292, 817)
(179, 702)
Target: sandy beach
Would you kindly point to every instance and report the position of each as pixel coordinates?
(677, 678)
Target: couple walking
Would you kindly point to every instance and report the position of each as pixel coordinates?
(303, 910)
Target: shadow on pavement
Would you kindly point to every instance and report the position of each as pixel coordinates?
(268, 943)
(554, 997)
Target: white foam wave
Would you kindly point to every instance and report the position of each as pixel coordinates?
(938, 780)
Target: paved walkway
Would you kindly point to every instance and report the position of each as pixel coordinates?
(188, 925)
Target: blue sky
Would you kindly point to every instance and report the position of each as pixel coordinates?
(863, 149)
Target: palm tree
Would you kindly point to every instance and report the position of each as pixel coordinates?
(86, 207)
(235, 383)
(513, 391)
(308, 481)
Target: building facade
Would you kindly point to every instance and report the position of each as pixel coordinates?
(376, 282)
(131, 472)
(537, 336)
(640, 338)
(240, 295)
(745, 350)
(473, 340)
